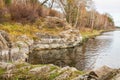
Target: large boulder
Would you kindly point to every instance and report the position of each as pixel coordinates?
(103, 71)
(117, 77)
(106, 73)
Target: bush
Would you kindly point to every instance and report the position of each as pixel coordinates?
(55, 22)
(23, 13)
(53, 13)
(43, 11)
(4, 15)
(1, 14)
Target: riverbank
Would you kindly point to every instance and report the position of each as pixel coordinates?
(23, 43)
(87, 33)
(44, 37)
(20, 40)
(50, 38)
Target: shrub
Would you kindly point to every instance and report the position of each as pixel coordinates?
(55, 22)
(4, 15)
(1, 14)
(53, 13)
(23, 13)
(43, 11)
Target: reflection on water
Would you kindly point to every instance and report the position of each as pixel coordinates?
(62, 57)
(103, 50)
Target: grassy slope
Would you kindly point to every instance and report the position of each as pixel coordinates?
(16, 29)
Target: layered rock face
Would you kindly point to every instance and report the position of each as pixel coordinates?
(5, 42)
(12, 51)
(5, 45)
(66, 39)
(24, 45)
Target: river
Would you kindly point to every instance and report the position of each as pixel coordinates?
(103, 50)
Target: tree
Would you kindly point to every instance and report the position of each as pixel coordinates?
(71, 10)
(91, 7)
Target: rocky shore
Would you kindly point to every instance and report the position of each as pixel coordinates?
(24, 71)
(17, 53)
(24, 45)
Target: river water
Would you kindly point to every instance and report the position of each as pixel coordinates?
(95, 53)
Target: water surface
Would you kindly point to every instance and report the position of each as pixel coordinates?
(108, 50)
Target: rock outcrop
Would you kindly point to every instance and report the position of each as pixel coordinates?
(66, 39)
(107, 73)
(117, 76)
(25, 71)
(12, 51)
(5, 41)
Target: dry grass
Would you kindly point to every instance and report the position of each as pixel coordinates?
(15, 29)
(87, 32)
(52, 31)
